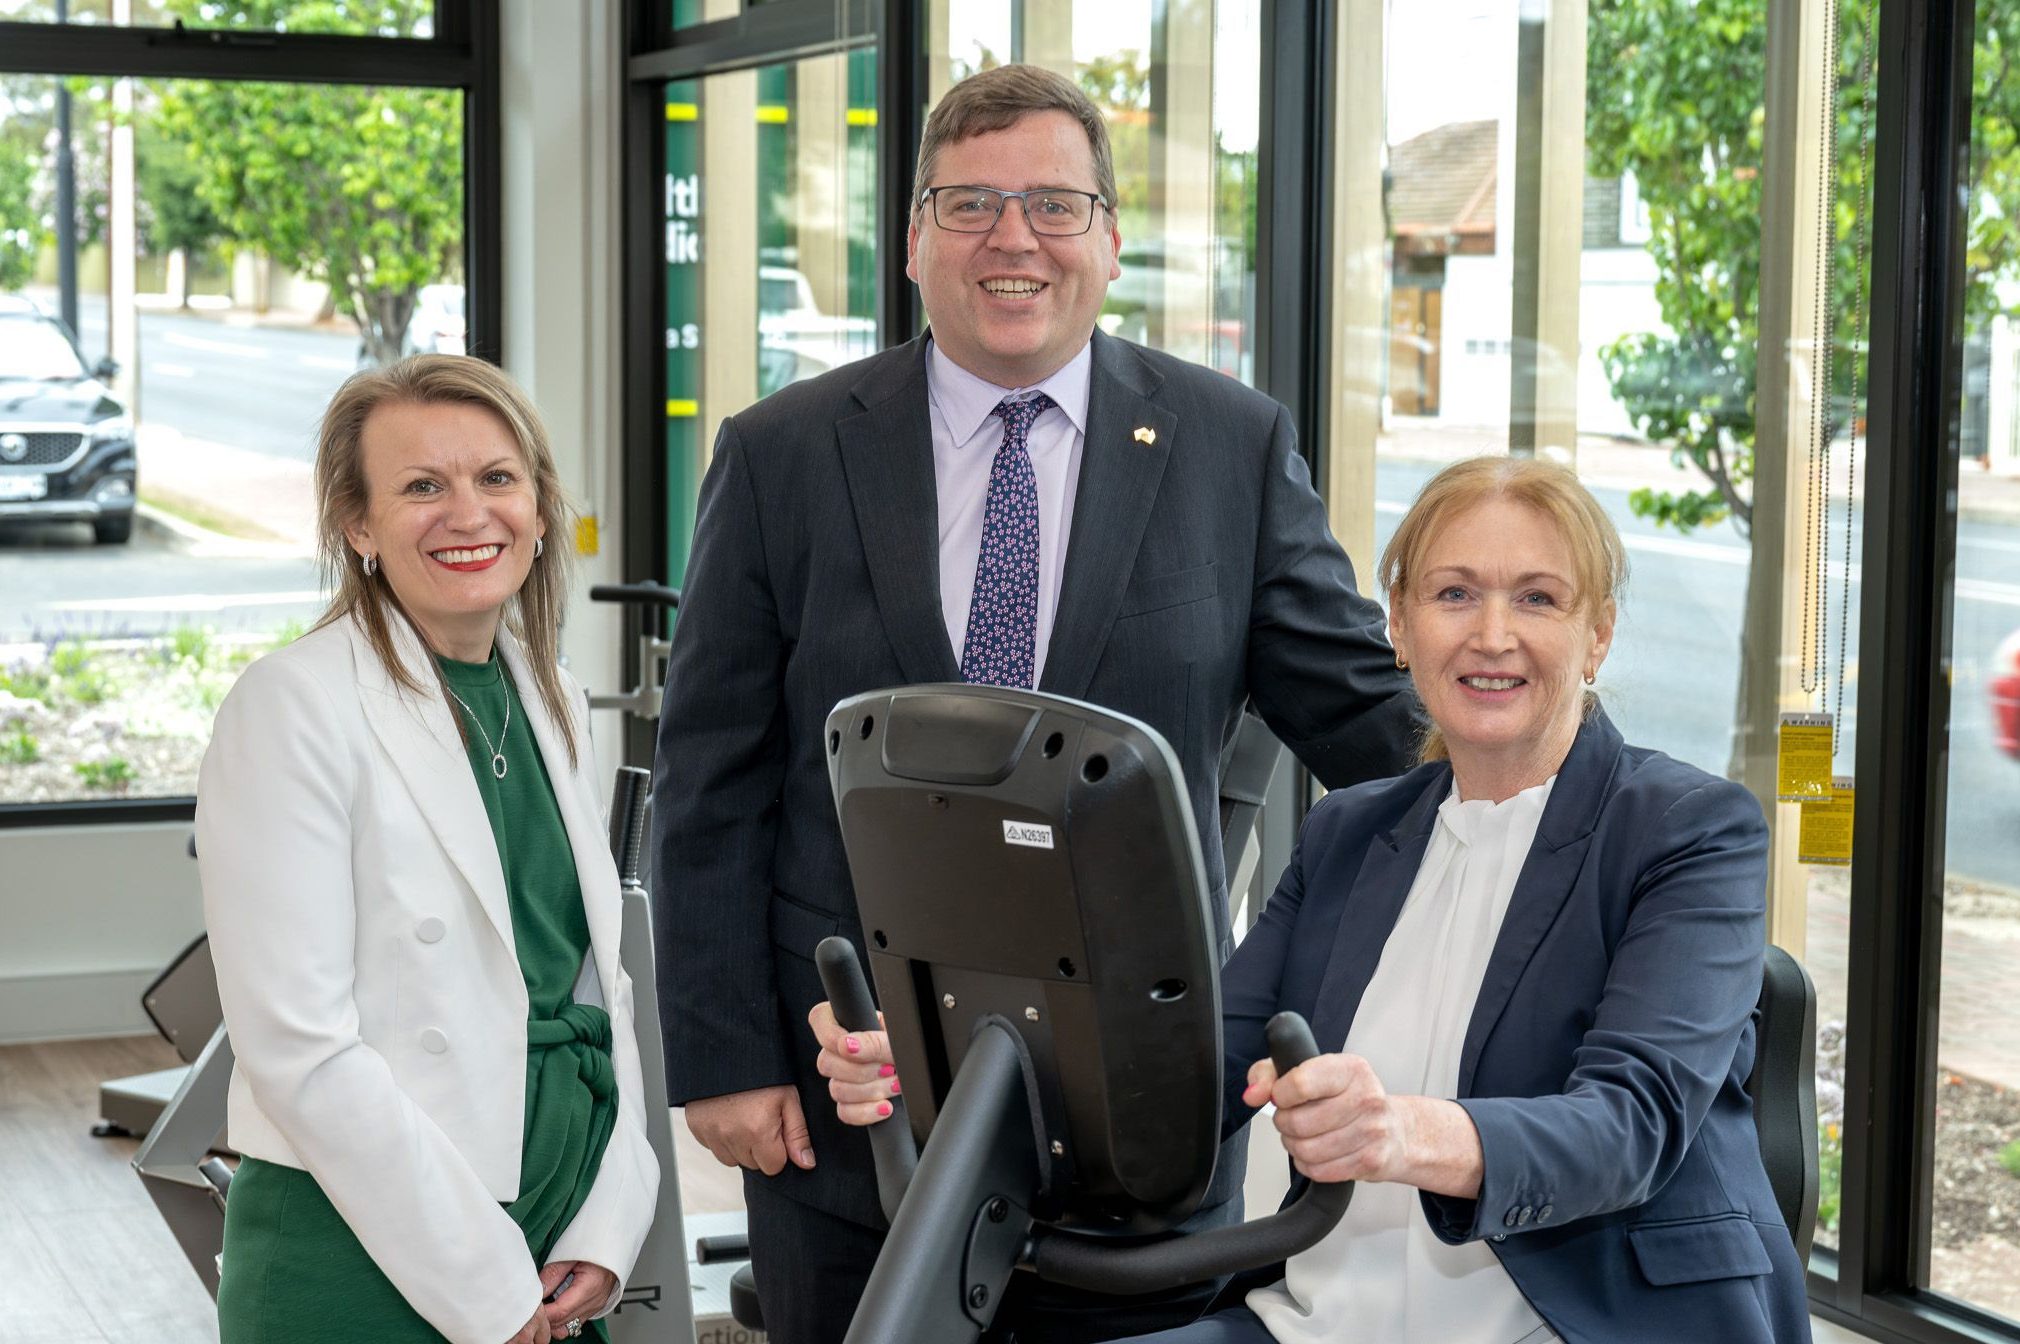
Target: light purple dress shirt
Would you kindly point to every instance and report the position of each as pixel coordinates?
(965, 438)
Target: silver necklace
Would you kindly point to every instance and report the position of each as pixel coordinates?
(498, 751)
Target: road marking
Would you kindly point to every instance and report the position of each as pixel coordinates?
(1978, 590)
(167, 370)
(189, 601)
(1987, 543)
(176, 338)
(325, 362)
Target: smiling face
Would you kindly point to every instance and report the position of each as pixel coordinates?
(1012, 306)
(451, 516)
(1498, 641)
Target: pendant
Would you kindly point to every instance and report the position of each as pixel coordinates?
(498, 765)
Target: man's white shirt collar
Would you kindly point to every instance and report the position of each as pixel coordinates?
(965, 400)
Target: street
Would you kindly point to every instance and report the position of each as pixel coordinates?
(1669, 683)
(253, 387)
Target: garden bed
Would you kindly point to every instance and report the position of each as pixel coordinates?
(116, 719)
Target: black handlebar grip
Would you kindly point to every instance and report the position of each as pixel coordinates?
(890, 1138)
(718, 1249)
(1159, 1266)
(1290, 1041)
(651, 594)
(627, 821)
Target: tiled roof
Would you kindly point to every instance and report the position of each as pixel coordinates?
(1443, 180)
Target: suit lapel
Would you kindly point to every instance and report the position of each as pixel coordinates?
(1119, 476)
(887, 459)
(1387, 872)
(420, 737)
(581, 811)
(1563, 838)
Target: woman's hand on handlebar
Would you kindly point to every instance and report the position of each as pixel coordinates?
(1337, 1120)
(1339, 1123)
(857, 1064)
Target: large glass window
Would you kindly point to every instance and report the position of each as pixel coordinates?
(771, 221)
(234, 251)
(381, 18)
(1179, 88)
(1572, 261)
(1975, 1185)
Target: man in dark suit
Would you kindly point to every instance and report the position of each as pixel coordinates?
(901, 520)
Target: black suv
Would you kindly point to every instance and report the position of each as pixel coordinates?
(66, 443)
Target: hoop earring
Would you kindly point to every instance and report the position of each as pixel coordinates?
(369, 563)
(1402, 665)
(1591, 677)
(539, 547)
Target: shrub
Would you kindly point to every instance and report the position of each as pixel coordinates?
(1830, 1176)
(29, 683)
(111, 774)
(79, 673)
(20, 747)
(189, 643)
(68, 658)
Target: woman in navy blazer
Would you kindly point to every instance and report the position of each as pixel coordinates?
(1586, 1123)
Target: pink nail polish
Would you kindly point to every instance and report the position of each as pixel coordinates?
(886, 1070)
(883, 1108)
(896, 1087)
(852, 1045)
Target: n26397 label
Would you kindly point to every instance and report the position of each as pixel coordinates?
(1031, 834)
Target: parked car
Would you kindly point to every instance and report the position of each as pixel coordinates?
(66, 443)
(438, 326)
(2005, 686)
(795, 338)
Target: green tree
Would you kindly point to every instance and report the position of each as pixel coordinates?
(169, 182)
(360, 187)
(20, 229)
(1675, 98)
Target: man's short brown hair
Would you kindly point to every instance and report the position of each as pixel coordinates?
(998, 99)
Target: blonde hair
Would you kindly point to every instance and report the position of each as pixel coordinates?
(343, 497)
(998, 99)
(1598, 558)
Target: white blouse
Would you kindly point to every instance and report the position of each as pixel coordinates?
(1382, 1276)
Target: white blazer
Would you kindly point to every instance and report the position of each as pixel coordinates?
(363, 942)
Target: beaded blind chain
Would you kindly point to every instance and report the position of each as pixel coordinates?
(1815, 636)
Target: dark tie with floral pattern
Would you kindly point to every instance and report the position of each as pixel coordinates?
(1003, 616)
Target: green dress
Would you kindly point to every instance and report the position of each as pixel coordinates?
(293, 1270)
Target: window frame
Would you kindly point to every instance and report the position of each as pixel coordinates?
(1920, 167)
(462, 55)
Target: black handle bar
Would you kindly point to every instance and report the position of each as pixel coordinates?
(648, 593)
(890, 1138)
(627, 822)
(1102, 1267)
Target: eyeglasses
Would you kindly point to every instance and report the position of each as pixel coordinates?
(1058, 212)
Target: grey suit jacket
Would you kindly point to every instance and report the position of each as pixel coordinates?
(1199, 573)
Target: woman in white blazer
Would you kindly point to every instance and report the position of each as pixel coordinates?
(414, 912)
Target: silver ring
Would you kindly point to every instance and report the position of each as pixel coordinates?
(574, 1328)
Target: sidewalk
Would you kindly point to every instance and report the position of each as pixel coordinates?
(228, 496)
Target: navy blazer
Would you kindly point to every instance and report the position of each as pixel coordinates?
(1199, 572)
(1606, 1061)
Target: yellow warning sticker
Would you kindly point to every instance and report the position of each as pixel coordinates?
(586, 538)
(1825, 836)
(1803, 761)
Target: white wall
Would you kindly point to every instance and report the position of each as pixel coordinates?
(89, 915)
(563, 82)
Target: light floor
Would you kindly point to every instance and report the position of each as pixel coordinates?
(85, 1259)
